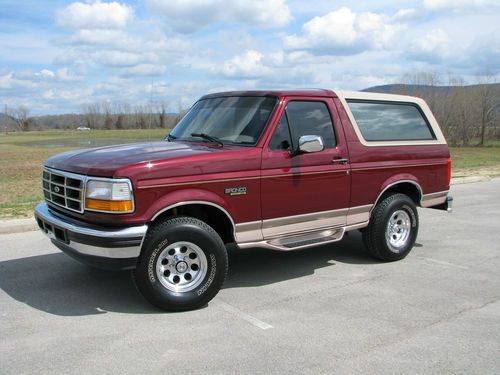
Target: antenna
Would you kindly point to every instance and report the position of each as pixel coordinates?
(150, 106)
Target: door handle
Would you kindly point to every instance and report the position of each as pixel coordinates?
(339, 160)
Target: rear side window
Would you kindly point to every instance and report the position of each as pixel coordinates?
(381, 121)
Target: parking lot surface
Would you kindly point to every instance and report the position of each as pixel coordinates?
(330, 309)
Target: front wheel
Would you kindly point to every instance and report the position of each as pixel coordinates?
(393, 228)
(182, 266)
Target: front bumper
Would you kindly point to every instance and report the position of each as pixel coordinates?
(107, 248)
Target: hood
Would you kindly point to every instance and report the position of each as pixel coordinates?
(105, 161)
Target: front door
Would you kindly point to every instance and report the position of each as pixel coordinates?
(310, 190)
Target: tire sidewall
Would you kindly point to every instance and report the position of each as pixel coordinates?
(214, 251)
(405, 204)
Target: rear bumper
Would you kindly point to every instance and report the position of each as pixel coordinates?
(446, 206)
(439, 201)
(107, 248)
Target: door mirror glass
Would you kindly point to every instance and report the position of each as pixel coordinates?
(310, 143)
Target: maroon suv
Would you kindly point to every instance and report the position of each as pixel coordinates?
(283, 170)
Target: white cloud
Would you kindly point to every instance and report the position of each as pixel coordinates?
(432, 47)
(45, 73)
(484, 54)
(95, 15)
(49, 94)
(144, 70)
(123, 40)
(114, 49)
(101, 37)
(160, 87)
(248, 64)
(344, 32)
(120, 58)
(66, 75)
(460, 4)
(12, 81)
(140, 49)
(62, 94)
(406, 14)
(188, 16)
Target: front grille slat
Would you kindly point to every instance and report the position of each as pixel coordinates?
(59, 195)
(55, 183)
(63, 189)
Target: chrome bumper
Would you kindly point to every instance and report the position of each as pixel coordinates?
(447, 205)
(101, 247)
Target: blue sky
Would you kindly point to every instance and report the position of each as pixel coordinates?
(56, 56)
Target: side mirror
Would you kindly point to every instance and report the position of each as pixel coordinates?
(310, 143)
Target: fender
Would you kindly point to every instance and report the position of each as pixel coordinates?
(398, 179)
(188, 196)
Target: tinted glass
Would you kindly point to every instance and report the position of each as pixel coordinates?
(390, 122)
(234, 119)
(310, 118)
(281, 139)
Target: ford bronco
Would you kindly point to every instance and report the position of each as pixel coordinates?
(283, 170)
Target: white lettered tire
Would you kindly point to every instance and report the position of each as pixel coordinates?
(393, 228)
(182, 266)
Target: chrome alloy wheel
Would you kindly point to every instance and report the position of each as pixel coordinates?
(398, 230)
(181, 267)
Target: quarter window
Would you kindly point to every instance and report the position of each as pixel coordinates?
(379, 121)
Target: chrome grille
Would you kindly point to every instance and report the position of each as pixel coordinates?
(63, 189)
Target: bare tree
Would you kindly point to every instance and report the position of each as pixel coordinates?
(140, 114)
(487, 102)
(420, 82)
(92, 113)
(20, 116)
(107, 110)
(463, 116)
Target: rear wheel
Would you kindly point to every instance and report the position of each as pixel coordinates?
(182, 266)
(393, 228)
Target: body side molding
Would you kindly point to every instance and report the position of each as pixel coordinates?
(434, 199)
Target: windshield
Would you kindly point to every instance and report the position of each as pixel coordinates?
(233, 119)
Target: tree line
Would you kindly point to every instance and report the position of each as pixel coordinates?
(468, 114)
(95, 116)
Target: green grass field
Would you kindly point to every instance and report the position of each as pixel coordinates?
(22, 156)
(468, 159)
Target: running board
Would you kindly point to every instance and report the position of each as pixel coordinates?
(301, 241)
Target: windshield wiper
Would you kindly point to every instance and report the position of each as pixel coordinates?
(208, 138)
(171, 137)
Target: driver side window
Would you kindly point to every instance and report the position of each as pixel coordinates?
(303, 118)
(281, 139)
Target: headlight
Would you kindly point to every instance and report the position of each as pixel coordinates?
(109, 195)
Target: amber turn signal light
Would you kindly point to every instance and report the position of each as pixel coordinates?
(111, 206)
